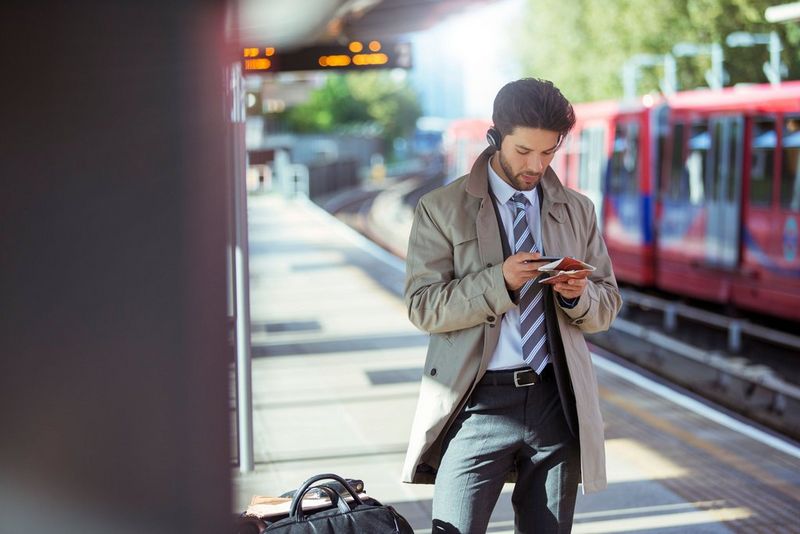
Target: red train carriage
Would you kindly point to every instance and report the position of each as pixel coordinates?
(730, 198)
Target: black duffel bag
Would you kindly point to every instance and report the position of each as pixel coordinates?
(356, 517)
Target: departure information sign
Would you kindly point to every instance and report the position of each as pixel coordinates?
(355, 56)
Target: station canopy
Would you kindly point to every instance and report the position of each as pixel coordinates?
(290, 35)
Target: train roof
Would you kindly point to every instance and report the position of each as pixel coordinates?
(761, 97)
(587, 111)
(742, 98)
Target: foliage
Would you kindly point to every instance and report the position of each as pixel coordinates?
(582, 45)
(358, 101)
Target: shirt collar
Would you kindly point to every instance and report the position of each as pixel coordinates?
(503, 191)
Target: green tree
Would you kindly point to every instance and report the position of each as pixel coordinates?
(582, 45)
(359, 100)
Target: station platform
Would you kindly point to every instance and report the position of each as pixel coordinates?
(336, 370)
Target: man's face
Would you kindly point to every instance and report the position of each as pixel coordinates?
(524, 156)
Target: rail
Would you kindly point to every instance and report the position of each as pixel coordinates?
(725, 367)
(735, 326)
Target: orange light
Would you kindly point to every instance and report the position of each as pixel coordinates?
(323, 61)
(338, 60)
(257, 64)
(250, 52)
(370, 59)
(374, 46)
(356, 47)
(269, 51)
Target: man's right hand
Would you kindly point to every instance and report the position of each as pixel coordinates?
(520, 268)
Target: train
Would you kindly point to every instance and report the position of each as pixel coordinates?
(697, 193)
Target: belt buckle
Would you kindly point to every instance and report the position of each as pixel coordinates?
(522, 373)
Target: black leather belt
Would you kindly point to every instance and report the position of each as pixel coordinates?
(517, 377)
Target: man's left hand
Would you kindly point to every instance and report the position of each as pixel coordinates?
(572, 288)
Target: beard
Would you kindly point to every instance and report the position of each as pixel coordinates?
(517, 180)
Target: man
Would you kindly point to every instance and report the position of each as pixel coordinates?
(508, 391)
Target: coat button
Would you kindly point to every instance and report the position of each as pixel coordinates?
(490, 318)
(491, 325)
(433, 371)
(488, 264)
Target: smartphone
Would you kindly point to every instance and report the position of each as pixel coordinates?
(544, 259)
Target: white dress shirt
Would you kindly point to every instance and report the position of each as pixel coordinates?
(508, 353)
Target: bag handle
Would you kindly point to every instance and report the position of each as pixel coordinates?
(296, 509)
(332, 495)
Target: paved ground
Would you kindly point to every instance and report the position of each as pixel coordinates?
(335, 379)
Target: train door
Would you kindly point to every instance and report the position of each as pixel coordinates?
(762, 216)
(623, 175)
(752, 287)
(591, 167)
(789, 193)
(681, 242)
(681, 218)
(723, 192)
(627, 213)
(786, 271)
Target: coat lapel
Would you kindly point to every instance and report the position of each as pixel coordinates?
(553, 210)
(489, 244)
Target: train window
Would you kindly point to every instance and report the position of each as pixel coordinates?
(694, 166)
(592, 160)
(676, 163)
(624, 172)
(563, 169)
(763, 162)
(660, 126)
(723, 184)
(735, 140)
(790, 173)
(715, 181)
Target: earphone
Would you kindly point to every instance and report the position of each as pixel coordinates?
(494, 138)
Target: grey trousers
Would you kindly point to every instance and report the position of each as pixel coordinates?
(501, 428)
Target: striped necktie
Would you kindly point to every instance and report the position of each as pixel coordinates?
(532, 326)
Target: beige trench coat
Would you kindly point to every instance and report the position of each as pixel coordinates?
(455, 291)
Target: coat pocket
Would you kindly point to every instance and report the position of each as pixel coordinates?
(439, 361)
(447, 360)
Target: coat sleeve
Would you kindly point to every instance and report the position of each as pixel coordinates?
(598, 306)
(437, 301)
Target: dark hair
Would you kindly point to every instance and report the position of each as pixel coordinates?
(532, 103)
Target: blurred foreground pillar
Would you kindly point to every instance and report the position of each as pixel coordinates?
(114, 218)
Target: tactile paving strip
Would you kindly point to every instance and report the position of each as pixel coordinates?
(719, 464)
